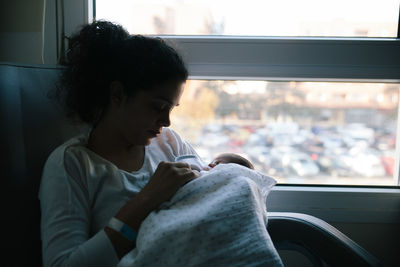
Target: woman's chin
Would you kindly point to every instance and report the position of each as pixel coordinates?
(148, 142)
(148, 138)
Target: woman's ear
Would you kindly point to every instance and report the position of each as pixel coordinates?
(117, 93)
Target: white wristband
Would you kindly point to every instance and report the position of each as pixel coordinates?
(122, 228)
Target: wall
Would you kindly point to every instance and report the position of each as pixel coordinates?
(21, 31)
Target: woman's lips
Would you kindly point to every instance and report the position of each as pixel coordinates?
(154, 133)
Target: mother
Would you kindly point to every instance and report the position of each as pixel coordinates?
(124, 87)
(98, 187)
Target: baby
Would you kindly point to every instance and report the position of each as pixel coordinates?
(196, 164)
(231, 158)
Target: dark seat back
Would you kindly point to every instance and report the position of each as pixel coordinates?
(31, 127)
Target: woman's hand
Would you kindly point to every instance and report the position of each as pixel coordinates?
(167, 179)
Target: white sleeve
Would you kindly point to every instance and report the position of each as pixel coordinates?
(65, 218)
(178, 144)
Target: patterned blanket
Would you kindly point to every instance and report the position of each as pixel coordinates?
(218, 219)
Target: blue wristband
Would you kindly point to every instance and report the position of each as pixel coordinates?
(122, 228)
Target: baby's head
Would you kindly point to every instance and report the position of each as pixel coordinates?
(231, 158)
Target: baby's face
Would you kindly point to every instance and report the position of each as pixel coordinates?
(231, 158)
(221, 159)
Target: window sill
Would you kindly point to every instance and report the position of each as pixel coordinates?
(338, 204)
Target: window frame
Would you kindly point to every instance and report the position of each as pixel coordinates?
(333, 59)
(290, 58)
(293, 59)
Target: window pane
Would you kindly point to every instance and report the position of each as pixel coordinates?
(298, 132)
(356, 18)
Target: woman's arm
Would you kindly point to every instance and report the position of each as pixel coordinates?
(167, 179)
(66, 218)
(66, 212)
(132, 214)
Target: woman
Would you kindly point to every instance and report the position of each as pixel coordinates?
(98, 188)
(125, 88)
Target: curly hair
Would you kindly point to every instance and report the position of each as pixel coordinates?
(103, 52)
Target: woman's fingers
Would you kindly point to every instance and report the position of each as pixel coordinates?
(190, 176)
(168, 178)
(181, 164)
(184, 173)
(167, 165)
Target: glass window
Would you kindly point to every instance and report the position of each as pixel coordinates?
(288, 122)
(340, 18)
(298, 132)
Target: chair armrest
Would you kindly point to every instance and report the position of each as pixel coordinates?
(310, 235)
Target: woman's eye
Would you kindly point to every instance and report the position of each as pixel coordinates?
(215, 162)
(160, 108)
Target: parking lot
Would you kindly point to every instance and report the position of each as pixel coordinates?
(353, 154)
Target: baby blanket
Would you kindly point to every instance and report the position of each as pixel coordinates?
(218, 219)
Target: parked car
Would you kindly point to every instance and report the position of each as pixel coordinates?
(388, 162)
(302, 165)
(367, 163)
(294, 162)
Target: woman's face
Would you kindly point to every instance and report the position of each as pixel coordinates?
(141, 117)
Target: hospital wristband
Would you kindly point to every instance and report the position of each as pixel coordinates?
(125, 230)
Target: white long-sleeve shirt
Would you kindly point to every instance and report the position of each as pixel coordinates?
(80, 191)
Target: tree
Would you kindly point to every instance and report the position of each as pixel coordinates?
(198, 108)
(283, 99)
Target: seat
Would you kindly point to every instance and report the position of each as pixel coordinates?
(317, 240)
(32, 126)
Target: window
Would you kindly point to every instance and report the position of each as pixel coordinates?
(354, 18)
(298, 132)
(325, 105)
